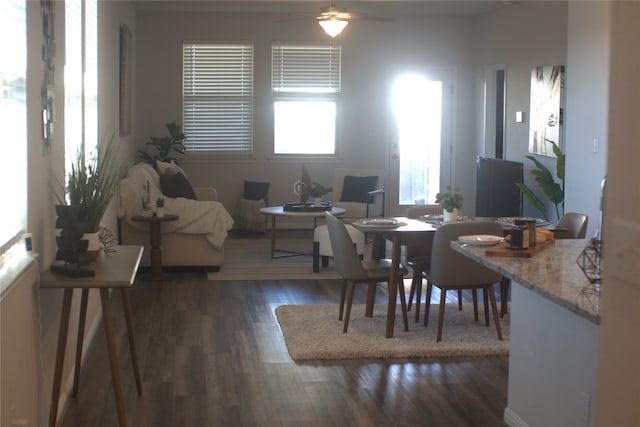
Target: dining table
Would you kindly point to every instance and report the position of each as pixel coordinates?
(400, 231)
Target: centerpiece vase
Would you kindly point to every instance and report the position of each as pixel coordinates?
(450, 216)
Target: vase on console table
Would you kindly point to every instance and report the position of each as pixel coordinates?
(317, 201)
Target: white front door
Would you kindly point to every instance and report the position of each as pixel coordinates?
(421, 101)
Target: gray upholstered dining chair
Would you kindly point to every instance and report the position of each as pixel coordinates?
(418, 257)
(451, 270)
(354, 270)
(575, 225)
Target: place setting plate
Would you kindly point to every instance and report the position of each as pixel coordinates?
(481, 239)
(381, 222)
(509, 221)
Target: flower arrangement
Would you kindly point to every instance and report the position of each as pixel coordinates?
(450, 199)
(318, 190)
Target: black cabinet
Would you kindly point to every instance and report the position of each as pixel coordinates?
(496, 192)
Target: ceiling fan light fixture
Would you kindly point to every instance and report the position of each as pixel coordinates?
(333, 25)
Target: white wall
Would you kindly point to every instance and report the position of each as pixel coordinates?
(587, 107)
(369, 48)
(519, 37)
(619, 375)
(45, 166)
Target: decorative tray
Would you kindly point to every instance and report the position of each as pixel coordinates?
(306, 207)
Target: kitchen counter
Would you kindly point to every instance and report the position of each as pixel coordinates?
(553, 273)
(554, 335)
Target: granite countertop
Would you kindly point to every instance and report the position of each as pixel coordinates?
(553, 272)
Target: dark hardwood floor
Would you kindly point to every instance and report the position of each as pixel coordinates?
(212, 354)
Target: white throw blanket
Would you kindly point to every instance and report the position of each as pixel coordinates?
(196, 216)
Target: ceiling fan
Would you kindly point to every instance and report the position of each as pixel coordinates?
(333, 19)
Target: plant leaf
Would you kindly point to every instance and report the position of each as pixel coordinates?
(533, 200)
(560, 163)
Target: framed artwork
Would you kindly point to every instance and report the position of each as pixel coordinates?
(125, 80)
(546, 109)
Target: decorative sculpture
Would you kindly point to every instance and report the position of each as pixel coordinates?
(72, 222)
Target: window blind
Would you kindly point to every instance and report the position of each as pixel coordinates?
(218, 97)
(306, 69)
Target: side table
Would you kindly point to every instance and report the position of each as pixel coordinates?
(113, 270)
(155, 238)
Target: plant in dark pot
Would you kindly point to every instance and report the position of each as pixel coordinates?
(91, 184)
(165, 147)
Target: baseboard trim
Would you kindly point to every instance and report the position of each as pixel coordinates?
(512, 419)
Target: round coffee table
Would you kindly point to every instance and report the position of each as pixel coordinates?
(276, 211)
(155, 238)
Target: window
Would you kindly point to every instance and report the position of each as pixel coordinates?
(80, 79)
(218, 98)
(13, 119)
(306, 83)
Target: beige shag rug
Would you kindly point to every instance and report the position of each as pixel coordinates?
(313, 332)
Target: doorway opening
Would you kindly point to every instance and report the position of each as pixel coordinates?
(421, 141)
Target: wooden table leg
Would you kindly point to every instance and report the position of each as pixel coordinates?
(113, 356)
(393, 286)
(273, 235)
(504, 295)
(80, 340)
(62, 344)
(132, 342)
(156, 249)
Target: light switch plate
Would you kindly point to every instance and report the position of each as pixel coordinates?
(622, 261)
(519, 116)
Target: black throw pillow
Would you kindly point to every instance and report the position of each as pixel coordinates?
(177, 186)
(255, 190)
(356, 188)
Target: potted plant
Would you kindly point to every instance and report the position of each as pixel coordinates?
(544, 178)
(451, 202)
(317, 191)
(93, 182)
(160, 207)
(165, 147)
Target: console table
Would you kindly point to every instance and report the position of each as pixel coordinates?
(113, 270)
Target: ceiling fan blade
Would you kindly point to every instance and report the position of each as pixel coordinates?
(375, 18)
(361, 17)
(299, 17)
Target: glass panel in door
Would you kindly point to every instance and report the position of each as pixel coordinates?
(420, 138)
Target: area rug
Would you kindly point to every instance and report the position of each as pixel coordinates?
(313, 332)
(249, 258)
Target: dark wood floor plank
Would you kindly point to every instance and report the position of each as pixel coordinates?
(212, 354)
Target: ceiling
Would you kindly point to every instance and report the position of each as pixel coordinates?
(388, 8)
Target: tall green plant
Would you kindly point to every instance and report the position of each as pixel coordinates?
(547, 183)
(165, 146)
(93, 182)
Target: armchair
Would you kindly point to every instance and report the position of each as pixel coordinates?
(356, 189)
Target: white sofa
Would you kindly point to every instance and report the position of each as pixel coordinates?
(196, 239)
